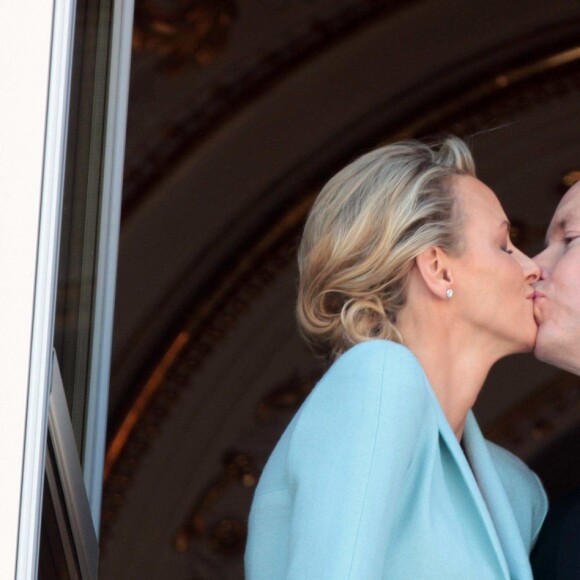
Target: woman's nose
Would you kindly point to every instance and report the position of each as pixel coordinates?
(532, 270)
(541, 261)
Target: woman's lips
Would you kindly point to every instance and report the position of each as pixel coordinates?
(537, 295)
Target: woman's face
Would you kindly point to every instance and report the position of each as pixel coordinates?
(491, 279)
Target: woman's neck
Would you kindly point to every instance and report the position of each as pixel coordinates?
(455, 362)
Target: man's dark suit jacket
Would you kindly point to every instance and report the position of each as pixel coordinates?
(556, 555)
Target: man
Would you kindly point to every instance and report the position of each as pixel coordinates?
(557, 310)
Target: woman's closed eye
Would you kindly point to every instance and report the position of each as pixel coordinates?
(507, 249)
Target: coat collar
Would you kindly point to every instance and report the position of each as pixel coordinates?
(482, 479)
(450, 440)
(486, 478)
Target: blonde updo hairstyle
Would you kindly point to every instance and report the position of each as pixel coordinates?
(362, 236)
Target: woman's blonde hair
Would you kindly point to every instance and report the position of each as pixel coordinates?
(361, 238)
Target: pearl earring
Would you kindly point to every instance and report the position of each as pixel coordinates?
(449, 292)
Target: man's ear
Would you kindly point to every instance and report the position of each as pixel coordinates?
(434, 268)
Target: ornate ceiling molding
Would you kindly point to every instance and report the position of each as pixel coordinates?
(224, 101)
(500, 97)
(184, 31)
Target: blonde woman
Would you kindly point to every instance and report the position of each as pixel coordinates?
(410, 283)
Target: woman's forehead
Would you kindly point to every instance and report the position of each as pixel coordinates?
(478, 200)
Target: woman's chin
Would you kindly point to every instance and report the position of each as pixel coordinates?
(529, 342)
(523, 343)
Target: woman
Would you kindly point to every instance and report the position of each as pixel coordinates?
(408, 278)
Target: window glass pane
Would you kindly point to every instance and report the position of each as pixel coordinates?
(57, 557)
(80, 217)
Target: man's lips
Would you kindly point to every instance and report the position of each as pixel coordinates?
(537, 300)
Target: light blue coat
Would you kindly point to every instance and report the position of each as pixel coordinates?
(369, 482)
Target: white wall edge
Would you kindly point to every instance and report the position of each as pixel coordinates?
(45, 289)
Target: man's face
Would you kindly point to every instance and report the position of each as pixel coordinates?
(557, 297)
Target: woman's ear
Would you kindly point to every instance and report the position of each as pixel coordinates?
(434, 268)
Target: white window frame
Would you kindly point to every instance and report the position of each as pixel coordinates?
(33, 107)
(67, 475)
(106, 271)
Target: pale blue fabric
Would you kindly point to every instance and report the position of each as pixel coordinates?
(369, 482)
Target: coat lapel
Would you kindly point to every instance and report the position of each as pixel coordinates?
(450, 440)
(496, 500)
